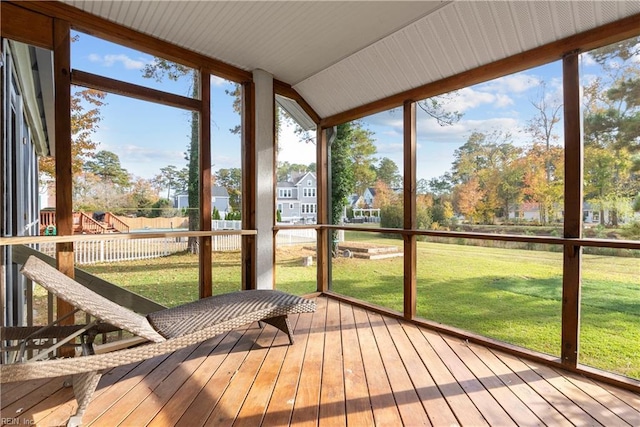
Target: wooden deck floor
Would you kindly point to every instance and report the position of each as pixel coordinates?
(348, 366)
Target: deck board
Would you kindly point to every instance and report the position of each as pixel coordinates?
(385, 411)
(332, 397)
(357, 402)
(348, 366)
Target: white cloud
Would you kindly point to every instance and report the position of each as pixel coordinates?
(110, 60)
(513, 83)
(218, 81)
(587, 60)
(468, 98)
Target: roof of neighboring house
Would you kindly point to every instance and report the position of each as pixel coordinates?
(285, 184)
(216, 191)
(298, 177)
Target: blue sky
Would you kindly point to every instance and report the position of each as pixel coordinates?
(147, 137)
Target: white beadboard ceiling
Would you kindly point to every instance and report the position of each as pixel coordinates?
(340, 55)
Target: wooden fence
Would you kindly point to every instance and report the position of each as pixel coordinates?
(114, 250)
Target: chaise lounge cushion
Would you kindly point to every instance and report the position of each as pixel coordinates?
(96, 305)
(242, 305)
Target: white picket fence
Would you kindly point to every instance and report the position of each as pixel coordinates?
(113, 250)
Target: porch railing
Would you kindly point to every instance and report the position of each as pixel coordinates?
(114, 250)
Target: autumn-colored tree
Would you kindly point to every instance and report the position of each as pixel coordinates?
(468, 199)
(85, 117)
(544, 179)
(385, 195)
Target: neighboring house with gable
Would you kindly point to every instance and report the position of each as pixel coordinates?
(219, 200)
(368, 196)
(296, 198)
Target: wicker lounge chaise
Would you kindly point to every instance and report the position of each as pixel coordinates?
(163, 331)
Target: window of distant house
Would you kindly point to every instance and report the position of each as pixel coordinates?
(309, 208)
(309, 192)
(280, 207)
(309, 182)
(596, 216)
(291, 206)
(285, 193)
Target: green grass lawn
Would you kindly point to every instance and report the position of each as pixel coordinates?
(511, 295)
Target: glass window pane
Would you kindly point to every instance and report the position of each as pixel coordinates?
(296, 261)
(369, 266)
(490, 157)
(610, 311)
(104, 58)
(508, 291)
(134, 172)
(610, 77)
(296, 188)
(226, 154)
(367, 171)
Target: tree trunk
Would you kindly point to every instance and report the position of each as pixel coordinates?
(194, 173)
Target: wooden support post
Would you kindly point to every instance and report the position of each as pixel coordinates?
(322, 242)
(249, 247)
(410, 222)
(573, 211)
(63, 168)
(206, 287)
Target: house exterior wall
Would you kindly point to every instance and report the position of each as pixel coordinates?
(298, 201)
(20, 210)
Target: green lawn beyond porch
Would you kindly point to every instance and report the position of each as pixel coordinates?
(511, 295)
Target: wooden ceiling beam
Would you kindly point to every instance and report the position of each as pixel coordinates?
(106, 84)
(26, 26)
(107, 30)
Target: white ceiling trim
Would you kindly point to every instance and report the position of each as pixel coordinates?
(458, 37)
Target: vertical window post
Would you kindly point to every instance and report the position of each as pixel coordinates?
(409, 116)
(573, 210)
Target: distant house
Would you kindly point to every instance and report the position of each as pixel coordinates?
(531, 212)
(368, 196)
(219, 200)
(296, 198)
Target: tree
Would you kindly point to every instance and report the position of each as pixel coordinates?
(106, 165)
(231, 179)
(544, 179)
(85, 118)
(436, 108)
(166, 178)
(385, 196)
(362, 152)
(142, 197)
(342, 174)
(387, 171)
(468, 197)
(286, 169)
(158, 70)
(612, 130)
